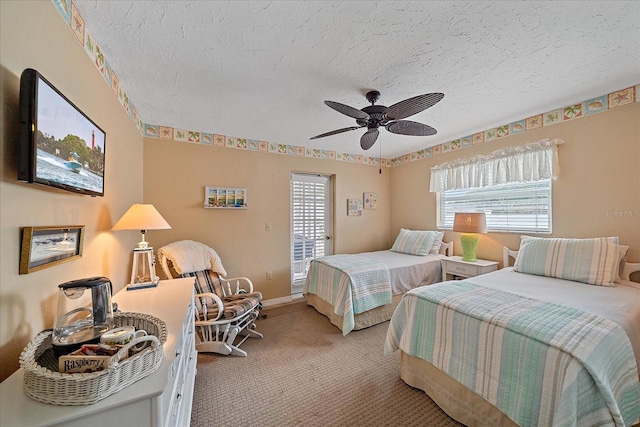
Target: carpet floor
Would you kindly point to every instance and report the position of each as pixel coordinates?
(305, 373)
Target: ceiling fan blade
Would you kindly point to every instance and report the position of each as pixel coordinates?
(369, 138)
(335, 132)
(412, 106)
(407, 127)
(347, 111)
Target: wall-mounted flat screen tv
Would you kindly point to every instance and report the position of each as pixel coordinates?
(59, 145)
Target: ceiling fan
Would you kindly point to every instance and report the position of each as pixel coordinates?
(374, 116)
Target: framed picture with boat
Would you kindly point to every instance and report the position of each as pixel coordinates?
(44, 247)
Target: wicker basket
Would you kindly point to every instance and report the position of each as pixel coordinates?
(44, 383)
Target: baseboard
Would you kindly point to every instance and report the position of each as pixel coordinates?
(291, 299)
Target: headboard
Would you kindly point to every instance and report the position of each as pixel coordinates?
(625, 274)
(506, 254)
(446, 248)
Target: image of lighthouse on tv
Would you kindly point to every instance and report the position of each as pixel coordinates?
(70, 147)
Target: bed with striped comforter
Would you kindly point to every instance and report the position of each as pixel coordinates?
(510, 349)
(358, 284)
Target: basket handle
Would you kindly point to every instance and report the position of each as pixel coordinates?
(124, 351)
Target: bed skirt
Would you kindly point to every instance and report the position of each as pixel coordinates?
(460, 403)
(362, 320)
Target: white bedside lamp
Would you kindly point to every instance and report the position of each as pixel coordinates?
(142, 217)
(469, 224)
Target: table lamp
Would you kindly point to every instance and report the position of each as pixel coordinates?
(469, 224)
(142, 217)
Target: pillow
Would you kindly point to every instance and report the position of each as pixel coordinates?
(435, 249)
(414, 242)
(622, 256)
(593, 261)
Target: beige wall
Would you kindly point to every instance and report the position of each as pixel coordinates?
(34, 36)
(176, 173)
(598, 182)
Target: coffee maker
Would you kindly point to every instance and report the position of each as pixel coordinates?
(84, 313)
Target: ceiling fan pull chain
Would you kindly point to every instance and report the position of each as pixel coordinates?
(380, 158)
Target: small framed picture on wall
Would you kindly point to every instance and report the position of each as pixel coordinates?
(370, 200)
(225, 198)
(44, 247)
(354, 207)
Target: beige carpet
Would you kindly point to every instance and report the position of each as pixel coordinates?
(305, 373)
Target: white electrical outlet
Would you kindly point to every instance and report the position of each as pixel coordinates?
(269, 276)
(267, 226)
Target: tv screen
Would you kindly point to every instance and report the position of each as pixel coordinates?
(59, 145)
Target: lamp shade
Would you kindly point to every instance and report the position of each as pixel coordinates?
(141, 217)
(470, 222)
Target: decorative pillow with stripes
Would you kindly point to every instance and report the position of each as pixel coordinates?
(593, 261)
(414, 242)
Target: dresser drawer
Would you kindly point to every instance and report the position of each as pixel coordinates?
(455, 267)
(180, 403)
(177, 396)
(463, 270)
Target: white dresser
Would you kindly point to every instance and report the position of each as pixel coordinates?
(161, 399)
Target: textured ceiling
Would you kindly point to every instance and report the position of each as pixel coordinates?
(261, 70)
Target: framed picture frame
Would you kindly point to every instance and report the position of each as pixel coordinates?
(354, 207)
(370, 200)
(225, 198)
(44, 247)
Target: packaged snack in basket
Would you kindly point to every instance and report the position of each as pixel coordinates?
(88, 358)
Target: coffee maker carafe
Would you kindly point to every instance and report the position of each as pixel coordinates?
(84, 313)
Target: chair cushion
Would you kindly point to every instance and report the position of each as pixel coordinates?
(210, 313)
(234, 306)
(237, 305)
(206, 281)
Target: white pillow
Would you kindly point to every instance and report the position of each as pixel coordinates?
(622, 257)
(593, 261)
(435, 249)
(414, 242)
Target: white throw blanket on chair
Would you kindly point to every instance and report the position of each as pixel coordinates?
(188, 256)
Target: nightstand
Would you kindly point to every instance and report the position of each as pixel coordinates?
(455, 267)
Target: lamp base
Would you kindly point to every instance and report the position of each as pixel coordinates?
(469, 243)
(144, 285)
(143, 272)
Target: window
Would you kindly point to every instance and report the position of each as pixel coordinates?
(523, 207)
(512, 186)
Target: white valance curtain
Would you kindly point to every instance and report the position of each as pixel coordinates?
(531, 162)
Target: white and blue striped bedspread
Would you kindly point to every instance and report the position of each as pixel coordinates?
(542, 364)
(352, 284)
